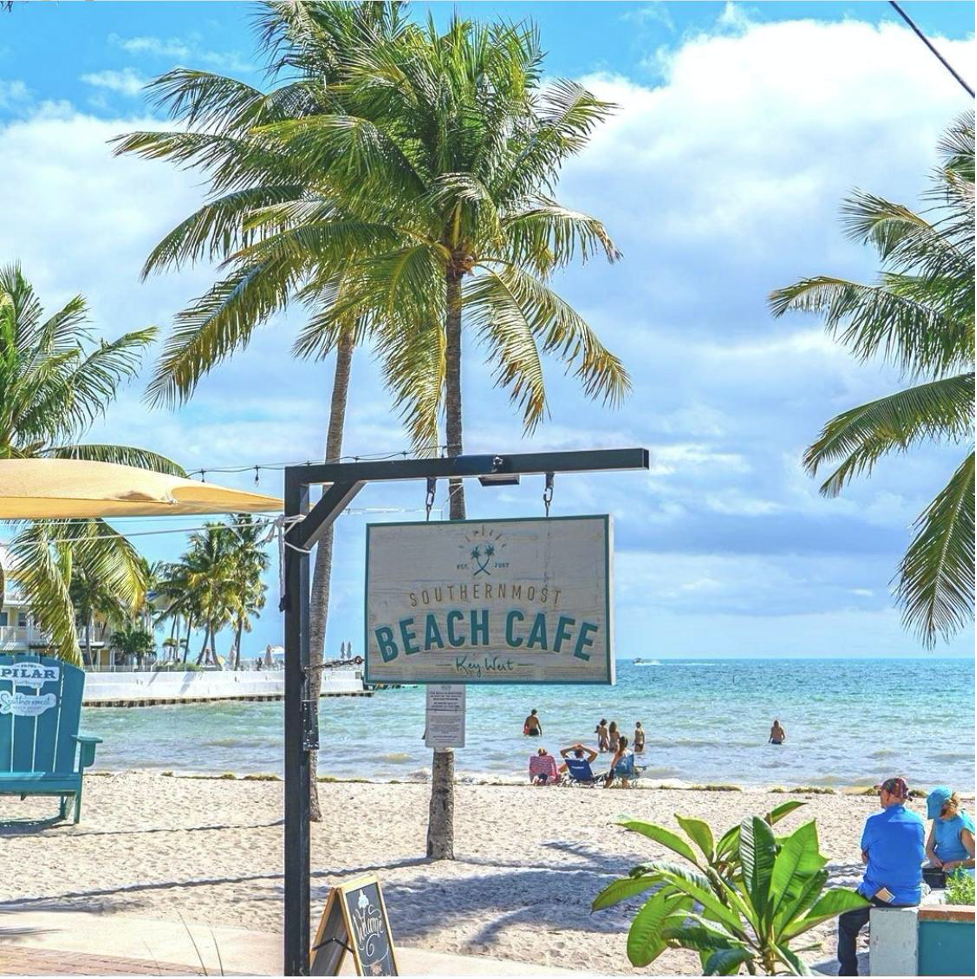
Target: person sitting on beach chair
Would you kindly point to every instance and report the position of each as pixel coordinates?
(622, 766)
(576, 764)
(542, 768)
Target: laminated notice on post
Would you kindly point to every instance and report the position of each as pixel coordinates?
(445, 717)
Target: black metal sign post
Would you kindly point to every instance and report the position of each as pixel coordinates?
(343, 481)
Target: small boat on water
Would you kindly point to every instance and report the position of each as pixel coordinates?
(646, 662)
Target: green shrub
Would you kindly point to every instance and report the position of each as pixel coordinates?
(755, 893)
(960, 888)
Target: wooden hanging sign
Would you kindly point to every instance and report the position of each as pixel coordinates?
(354, 920)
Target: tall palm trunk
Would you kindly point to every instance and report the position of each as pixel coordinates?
(89, 626)
(203, 647)
(186, 646)
(237, 642)
(322, 576)
(441, 813)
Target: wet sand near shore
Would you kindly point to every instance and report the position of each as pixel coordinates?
(530, 860)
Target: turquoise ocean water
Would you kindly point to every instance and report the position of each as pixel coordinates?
(849, 722)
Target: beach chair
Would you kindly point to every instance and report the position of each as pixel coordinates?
(579, 774)
(545, 766)
(626, 768)
(41, 751)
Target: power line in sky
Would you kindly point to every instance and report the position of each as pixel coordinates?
(946, 64)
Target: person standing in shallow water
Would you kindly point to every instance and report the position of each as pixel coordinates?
(603, 739)
(777, 734)
(532, 725)
(639, 738)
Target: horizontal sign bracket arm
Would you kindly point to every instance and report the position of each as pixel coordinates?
(470, 466)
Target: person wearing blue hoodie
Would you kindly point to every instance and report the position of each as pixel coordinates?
(951, 841)
(893, 853)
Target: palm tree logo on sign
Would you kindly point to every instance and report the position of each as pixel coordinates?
(483, 544)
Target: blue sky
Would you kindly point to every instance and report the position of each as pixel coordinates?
(739, 129)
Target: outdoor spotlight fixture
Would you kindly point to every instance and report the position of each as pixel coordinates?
(499, 478)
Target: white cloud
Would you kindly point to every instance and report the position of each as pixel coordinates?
(745, 150)
(172, 47)
(125, 82)
(185, 50)
(13, 94)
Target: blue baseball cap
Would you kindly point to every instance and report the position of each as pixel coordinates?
(936, 800)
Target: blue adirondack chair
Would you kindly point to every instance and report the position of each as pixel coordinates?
(41, 751)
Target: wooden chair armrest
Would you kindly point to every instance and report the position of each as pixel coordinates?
(87, 743)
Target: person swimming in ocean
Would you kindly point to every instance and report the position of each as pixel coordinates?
(777, 734)
(532, 725)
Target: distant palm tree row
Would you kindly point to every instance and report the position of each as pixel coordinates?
(216, 584)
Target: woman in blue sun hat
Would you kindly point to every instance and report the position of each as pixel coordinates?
(951, 840)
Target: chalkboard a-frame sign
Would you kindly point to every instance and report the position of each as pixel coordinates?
(354, 920)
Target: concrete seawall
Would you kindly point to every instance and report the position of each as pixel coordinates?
(148, 688)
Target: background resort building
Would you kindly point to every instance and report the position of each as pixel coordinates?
(20, 634)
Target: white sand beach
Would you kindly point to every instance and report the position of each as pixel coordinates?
(529, 860)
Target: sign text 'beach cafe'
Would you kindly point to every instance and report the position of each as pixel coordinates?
(490, 601)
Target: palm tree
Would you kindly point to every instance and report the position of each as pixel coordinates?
(55, 381)
(133, 640)
(212, 579)
(179, 604)
(90, 596)
(919, 316)
(413, 195)
(310, 46)
(250, 563)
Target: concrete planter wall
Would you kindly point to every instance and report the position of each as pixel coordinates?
(935, 940)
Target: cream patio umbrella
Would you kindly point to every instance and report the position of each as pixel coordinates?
(57, 489)
(62, 489)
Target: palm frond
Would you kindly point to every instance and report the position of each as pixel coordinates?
(559, 328)
(545, 235)
(216, 229)
(121, 455)
(875, 321)
(218, 323)
(414, 370)
(905, 238)
(936, 577)
(43, 568)
(938, 410)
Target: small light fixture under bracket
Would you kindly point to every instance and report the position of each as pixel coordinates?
(499, 478)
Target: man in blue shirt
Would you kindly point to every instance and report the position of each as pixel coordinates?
(893, 854)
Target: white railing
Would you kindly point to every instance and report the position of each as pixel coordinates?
(14, 635)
